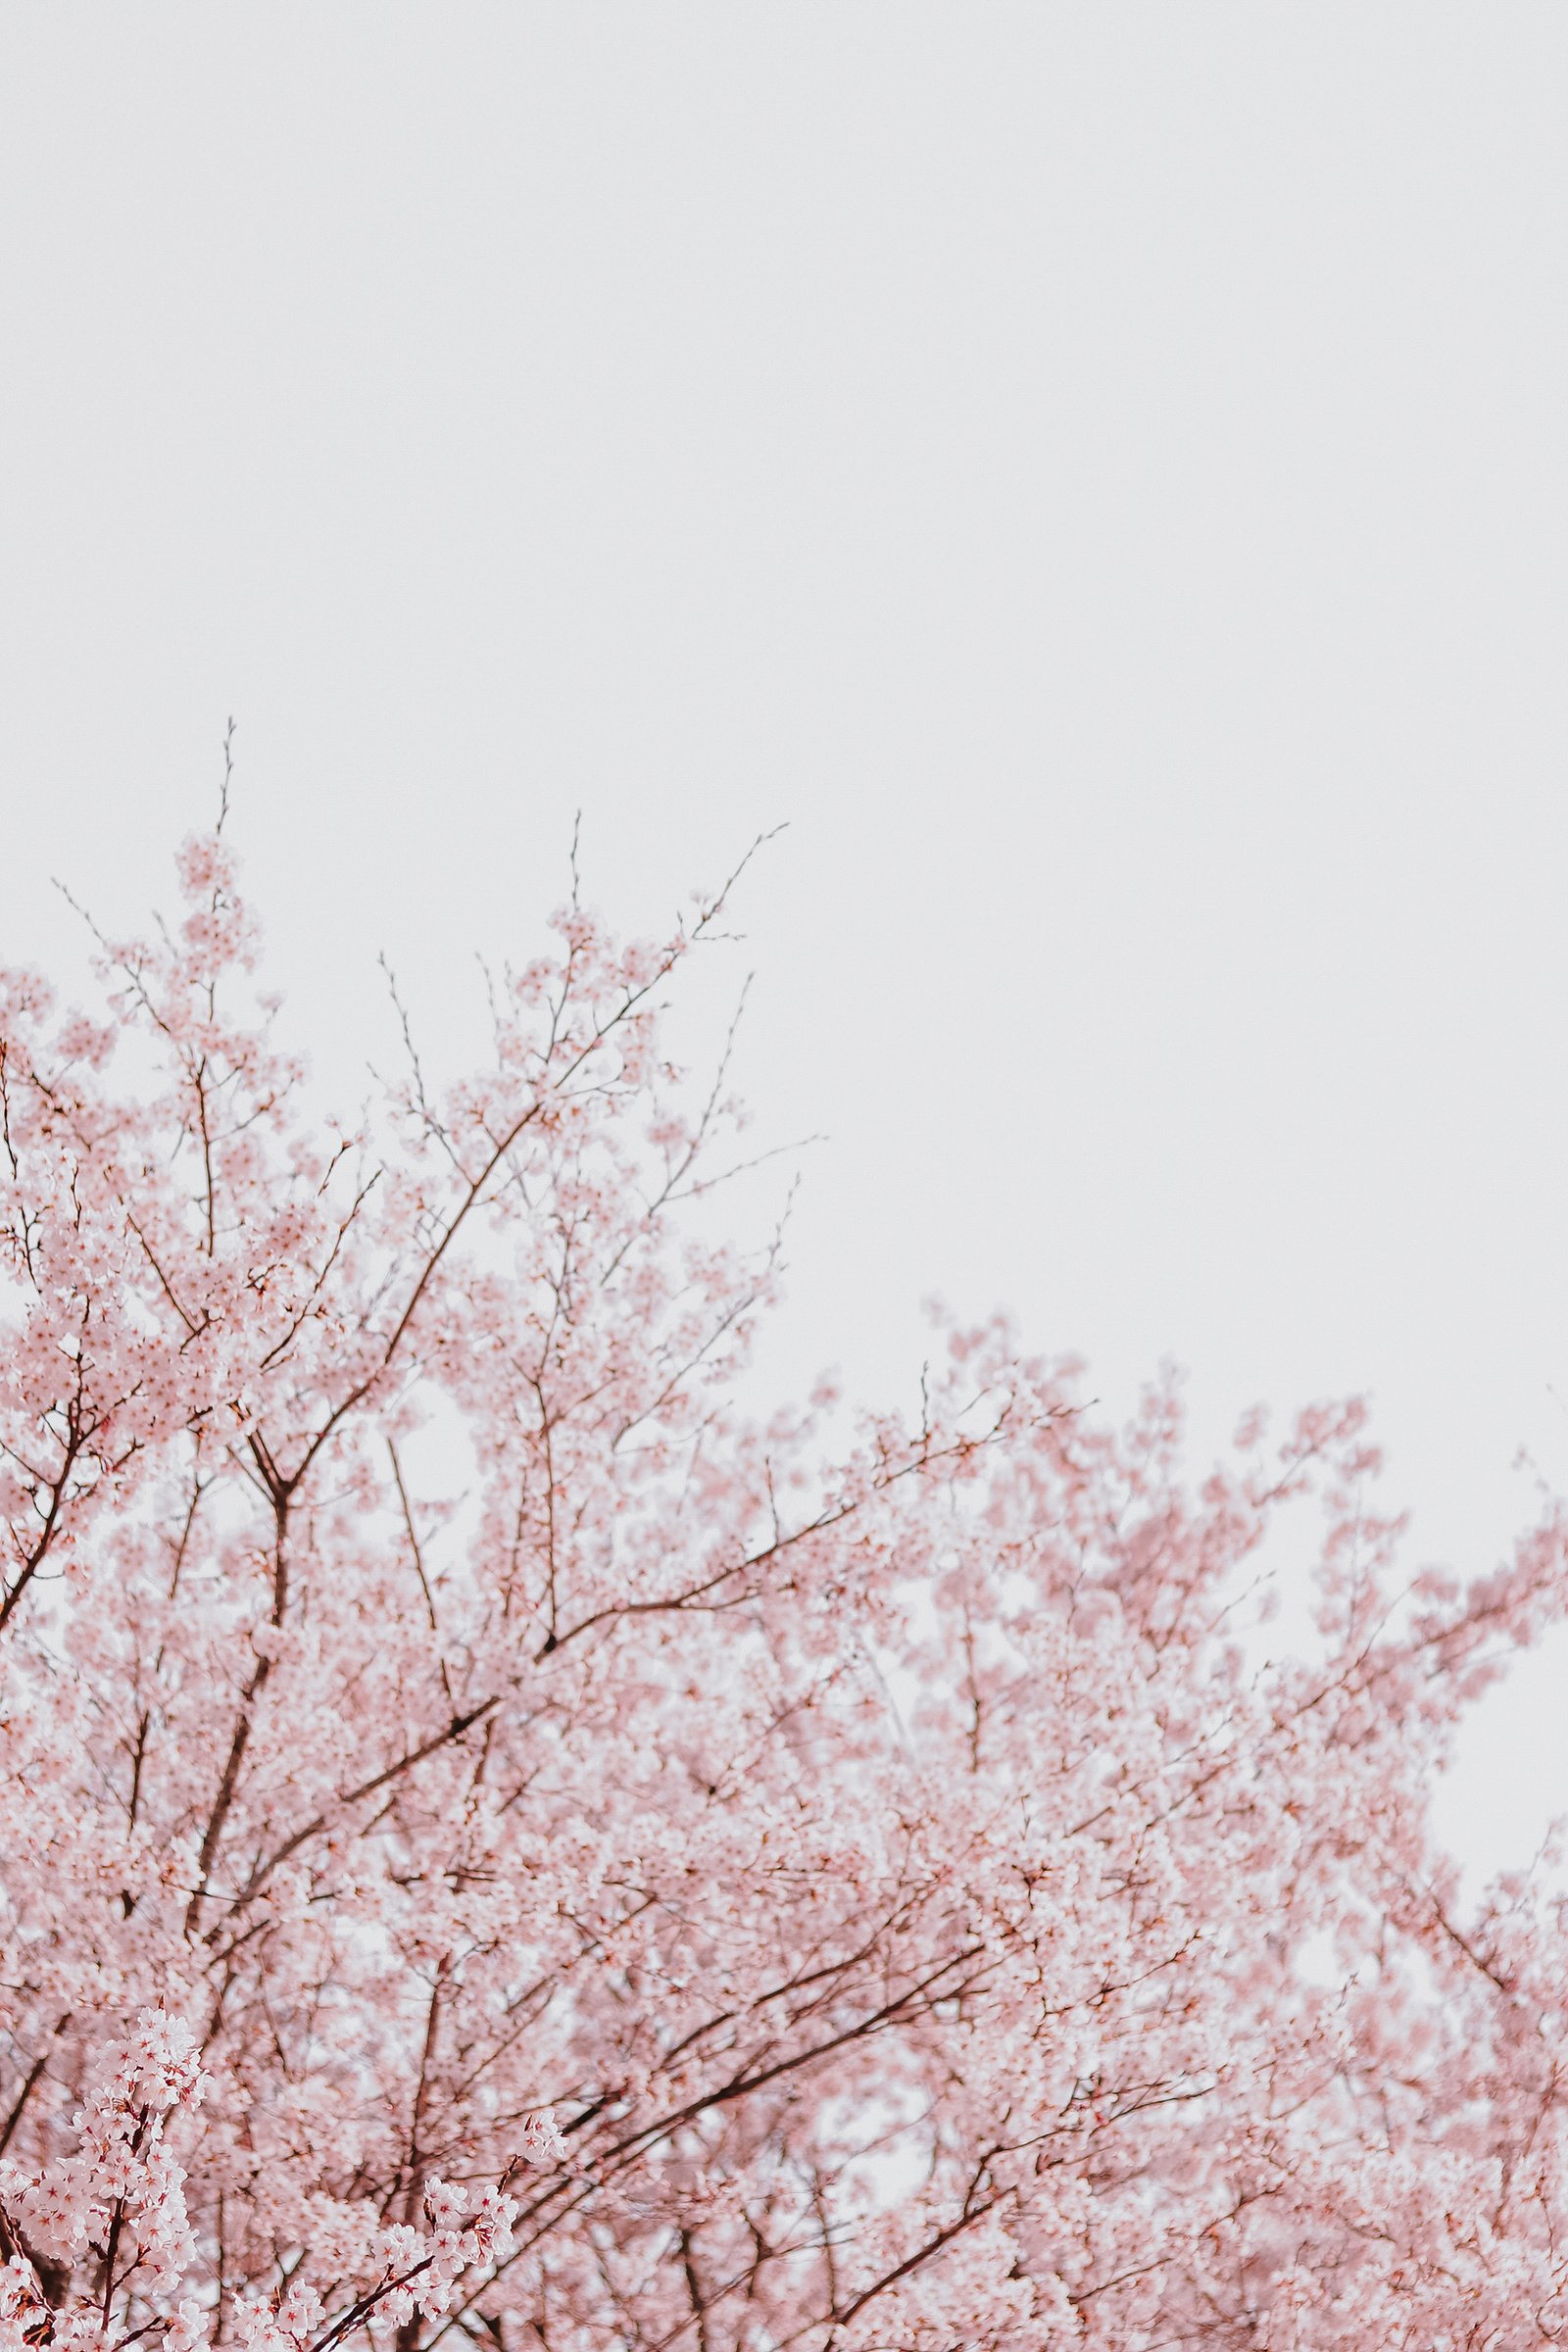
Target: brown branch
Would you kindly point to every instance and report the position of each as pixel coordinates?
(32, 1561)
(240, 1739)
(634, 997)
(742, 2085)
(418, 1561)
(694, 2289)
(34, 2077)
(912, 2261)
(959, 1450)
(353, 1796)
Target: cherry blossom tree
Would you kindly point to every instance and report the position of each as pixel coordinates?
(500, 1842)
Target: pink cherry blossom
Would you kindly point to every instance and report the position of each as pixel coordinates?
(500, 1842)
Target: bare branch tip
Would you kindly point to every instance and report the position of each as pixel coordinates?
(228, 774)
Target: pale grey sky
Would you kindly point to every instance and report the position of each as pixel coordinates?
(1097, 471)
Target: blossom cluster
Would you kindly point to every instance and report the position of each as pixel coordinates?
(501, 1839)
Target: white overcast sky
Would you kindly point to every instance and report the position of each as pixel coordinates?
(1098, 472)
